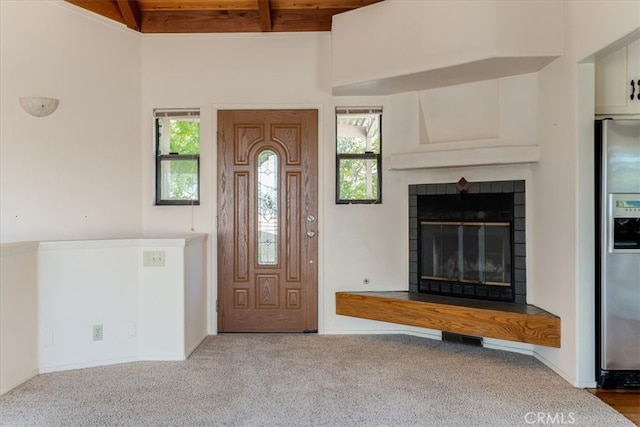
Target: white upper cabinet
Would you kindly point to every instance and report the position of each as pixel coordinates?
(618, 81)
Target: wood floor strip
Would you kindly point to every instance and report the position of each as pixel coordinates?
(627, 402)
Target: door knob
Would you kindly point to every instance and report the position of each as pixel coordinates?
(311, 233)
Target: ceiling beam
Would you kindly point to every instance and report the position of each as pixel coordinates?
(149, 5)
(265, 15)
(320, 4)
(222, 16)
(303, 19)
(130, 13)
(208, 21)
(108, 9)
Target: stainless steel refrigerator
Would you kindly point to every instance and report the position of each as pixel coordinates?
(617, 144)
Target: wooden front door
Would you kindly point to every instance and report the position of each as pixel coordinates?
(267, 220)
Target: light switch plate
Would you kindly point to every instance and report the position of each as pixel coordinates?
(153, 258)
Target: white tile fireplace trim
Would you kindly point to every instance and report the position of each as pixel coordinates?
(487, 152)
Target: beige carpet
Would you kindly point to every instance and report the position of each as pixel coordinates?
(312, 380)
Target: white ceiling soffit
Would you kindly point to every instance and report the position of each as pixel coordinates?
(404, 46)
(491, 68)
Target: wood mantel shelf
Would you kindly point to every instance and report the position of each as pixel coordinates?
(508, 321)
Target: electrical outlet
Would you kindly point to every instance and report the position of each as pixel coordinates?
(97, 332)
(47, 338)
(131, 329)
(153, 258)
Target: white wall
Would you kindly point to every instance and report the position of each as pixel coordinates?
(18, 313)
(53, 293)
(142, 309)
(161, 303)
(75, 174)
(196, 295)
(82, 284)
(222, 71)
(236, 71)
(225, 71)
(564, 179)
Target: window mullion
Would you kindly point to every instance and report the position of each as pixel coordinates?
(164, 149)
(368, 174)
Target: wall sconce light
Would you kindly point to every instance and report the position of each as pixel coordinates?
(39, 106)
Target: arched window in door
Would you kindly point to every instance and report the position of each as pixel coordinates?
(267, 208)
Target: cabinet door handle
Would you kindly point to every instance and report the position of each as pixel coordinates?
(633, 89)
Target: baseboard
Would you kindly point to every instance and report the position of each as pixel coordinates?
(93, 364)
(510, 346)
(490, 343)
(161, 358)
(568, 378)
(196, 345)
(585, 384)
(83, 365)
(435, 335)
(15, 384)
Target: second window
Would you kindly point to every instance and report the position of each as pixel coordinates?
(177, 157)
(358, 155)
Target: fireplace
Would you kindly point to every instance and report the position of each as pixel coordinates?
(468, 240)
(466, 252)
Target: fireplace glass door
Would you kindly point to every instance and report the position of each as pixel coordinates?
(466, 252)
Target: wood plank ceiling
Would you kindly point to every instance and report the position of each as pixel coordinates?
(222, 16)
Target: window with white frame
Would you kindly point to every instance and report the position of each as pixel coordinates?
(358, 155)
(177, 136)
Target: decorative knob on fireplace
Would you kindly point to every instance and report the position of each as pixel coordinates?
(462, 188)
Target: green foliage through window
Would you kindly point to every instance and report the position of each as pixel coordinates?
(184, 136)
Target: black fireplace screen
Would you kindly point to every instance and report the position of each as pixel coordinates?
(466, 252)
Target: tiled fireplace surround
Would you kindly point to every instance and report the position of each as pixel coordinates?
(458, 314)
(518, 235)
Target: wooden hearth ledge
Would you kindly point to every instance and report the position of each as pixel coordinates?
(508, 321)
